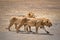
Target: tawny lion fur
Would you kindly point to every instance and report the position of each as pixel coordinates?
(29, 20)
(39, 22)
(19, 20)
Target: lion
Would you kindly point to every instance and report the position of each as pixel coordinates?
(36, 22)
(20, 20)
(33, 22)
(17, 21)
(46, 22)
(39, 22)
(30, 15)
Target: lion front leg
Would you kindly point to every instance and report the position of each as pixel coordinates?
(36, 29)
(26, 28)
(17, 28)
(10, 25)
(30, 29)
(45, 30)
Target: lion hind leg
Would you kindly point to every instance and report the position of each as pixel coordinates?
(26, 28)
(10, 25)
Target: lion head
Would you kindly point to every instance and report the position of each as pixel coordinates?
(48, 23)
(31, 15)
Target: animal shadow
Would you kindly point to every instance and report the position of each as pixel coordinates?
(23, 32)
(44, 34)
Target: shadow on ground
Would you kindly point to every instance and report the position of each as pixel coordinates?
(23, 32)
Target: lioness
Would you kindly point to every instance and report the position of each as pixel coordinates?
(20, 20)
(33, 22)
(39, 22)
